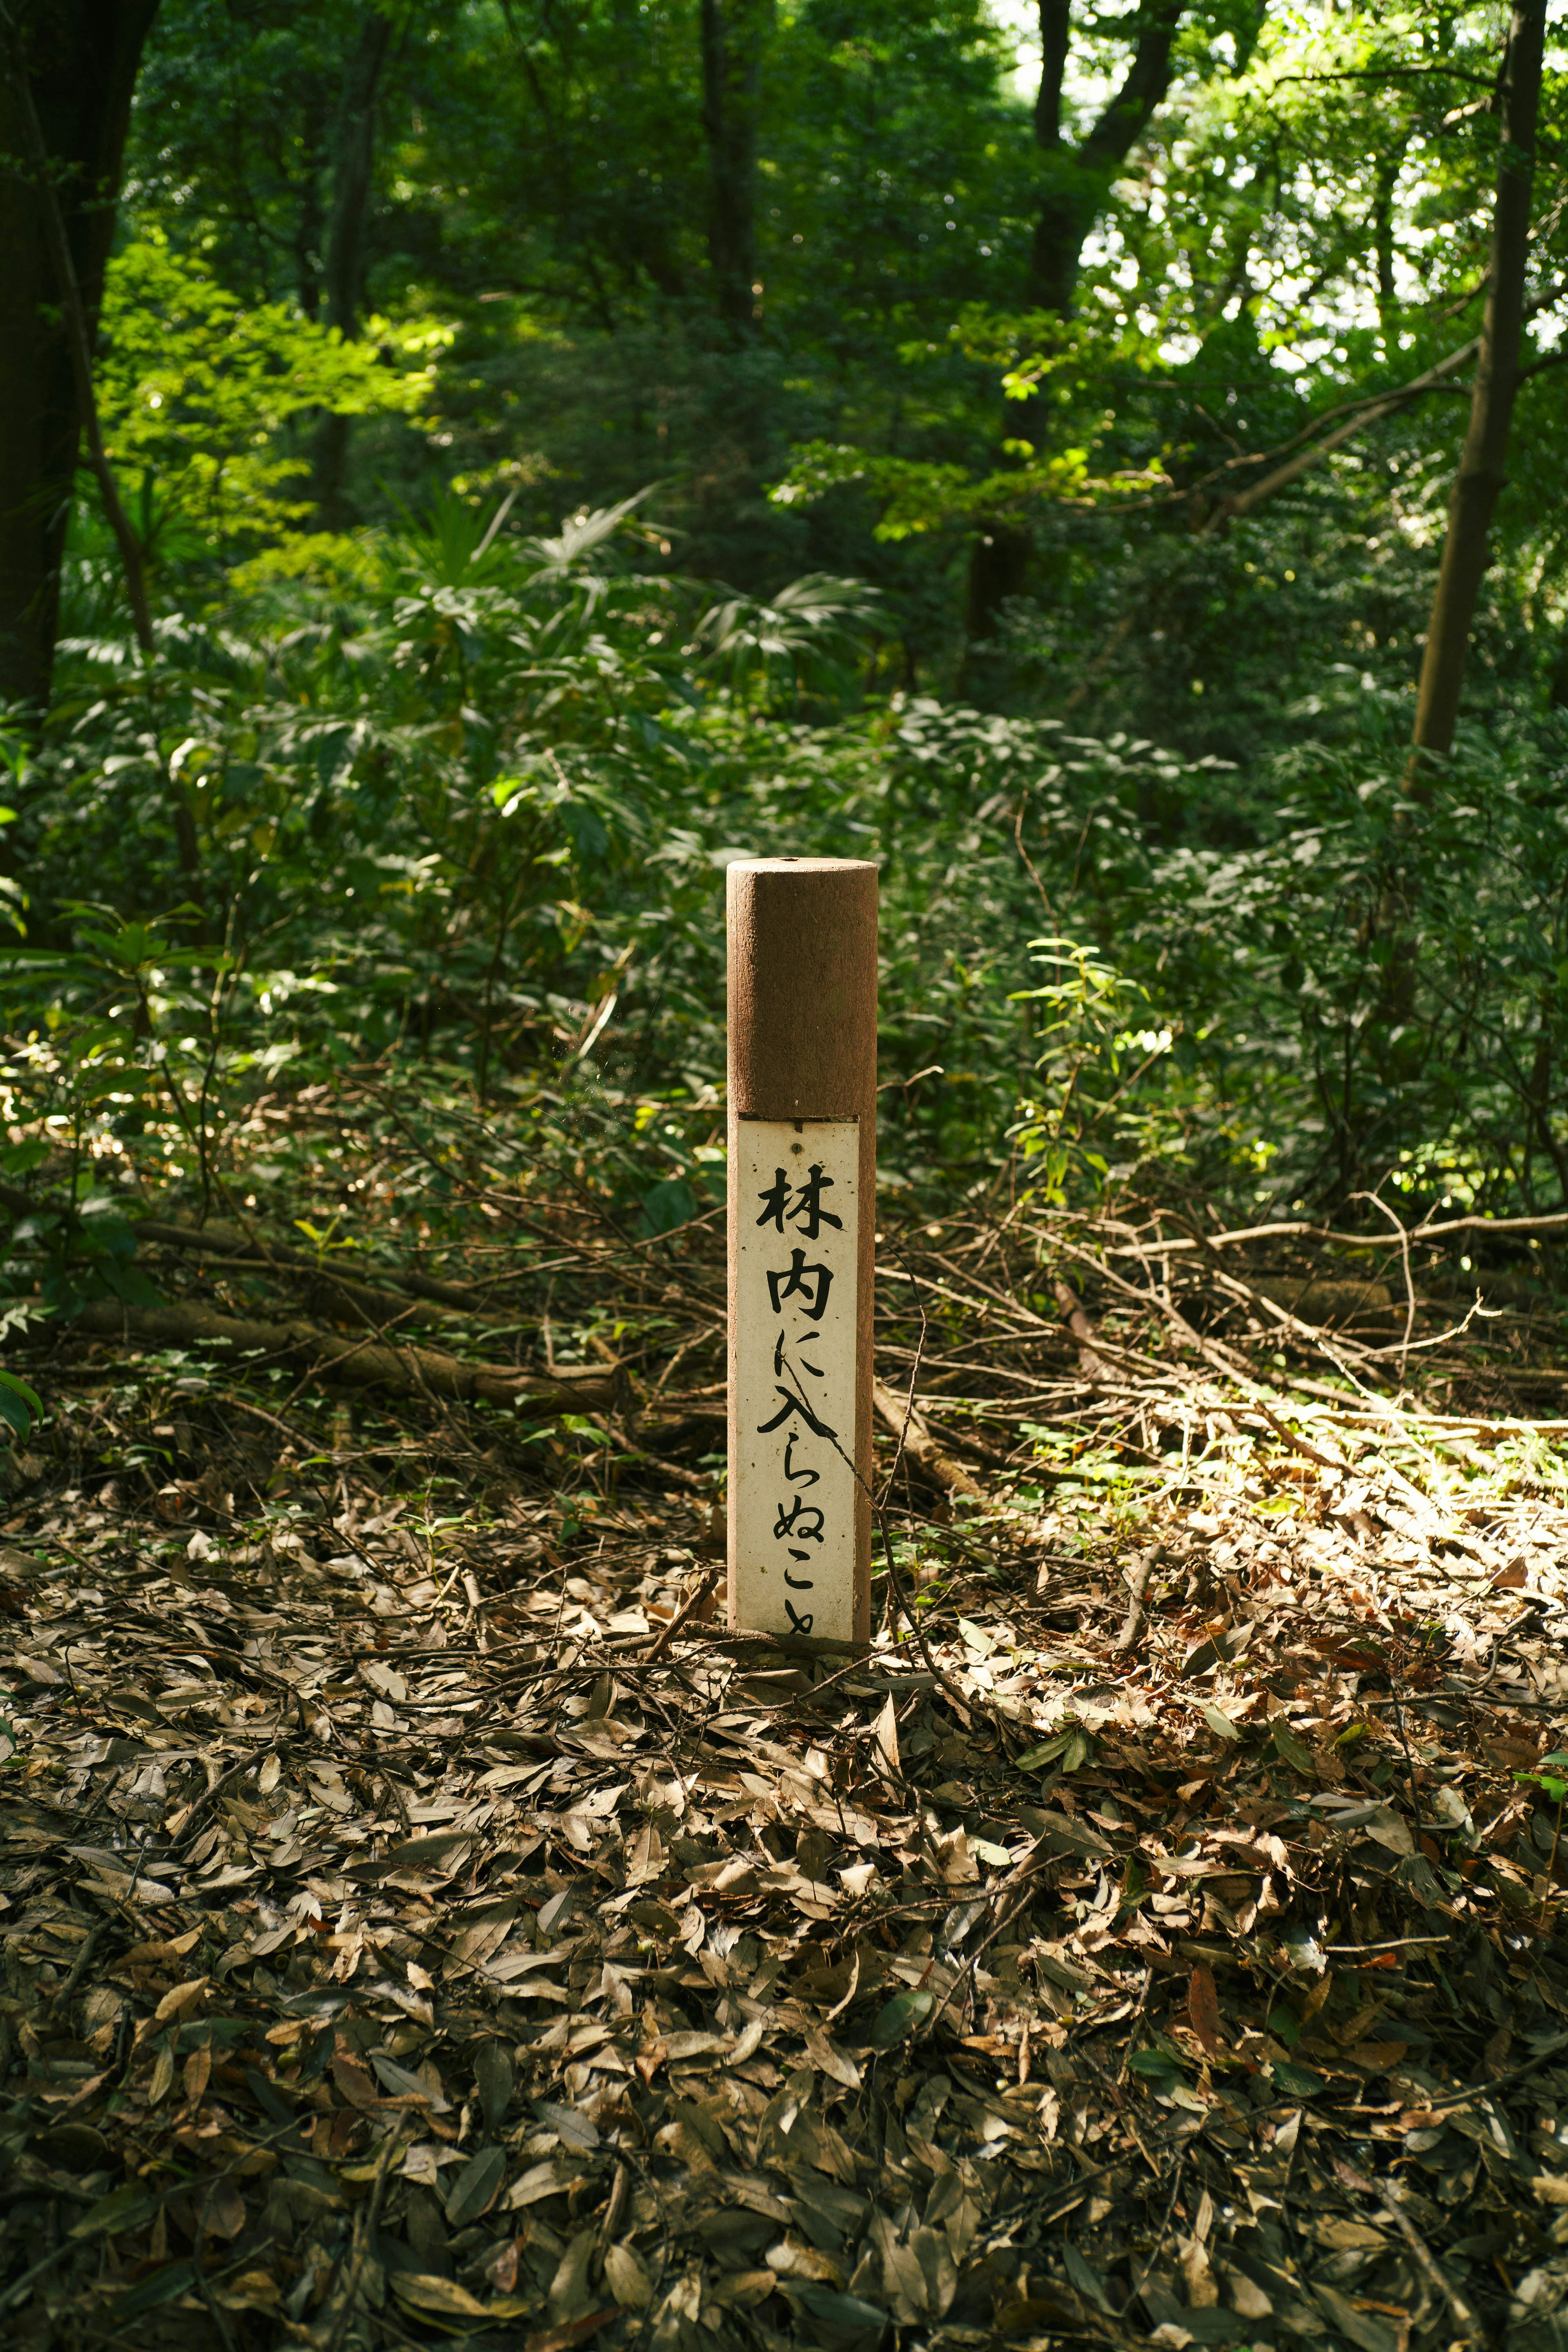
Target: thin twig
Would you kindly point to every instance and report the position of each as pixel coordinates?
(1433, 2270)
(365, 2220)
(1409, 1285)
(686, 1610)
(215, 2312)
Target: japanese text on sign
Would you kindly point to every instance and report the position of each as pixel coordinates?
(792, 1478)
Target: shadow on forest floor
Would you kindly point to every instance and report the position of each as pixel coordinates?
(403, 1937)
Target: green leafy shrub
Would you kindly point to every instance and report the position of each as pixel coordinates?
(470, 813)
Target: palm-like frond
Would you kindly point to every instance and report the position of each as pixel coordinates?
(580, 536)
(801, 629)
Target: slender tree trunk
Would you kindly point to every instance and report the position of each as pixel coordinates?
(1053, 254)
(82, 62)
(734, 36)
(1382, 250)
(345, 272)
(308, 235)
(1481, 475)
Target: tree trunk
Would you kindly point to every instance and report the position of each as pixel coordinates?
(1383, 249)
(78, 337)
(998, 568)
(1076, 184)
(344, 271)
(308, 234)
(82, 60)
(734, 33)
(1481, 476)
(1077, 180)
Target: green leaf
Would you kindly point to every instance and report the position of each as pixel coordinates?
(1299, 2081)
(1158, 2065)
(1219, 1722)
(836, 2310)
(476, 2187)
(900, 2016)
(1084, 2277)
(666, 1205)
(121, 2210)
(1291, 1751)
(19, 1404)
(268, 2097)
(158, 2287)
(1073, 1746)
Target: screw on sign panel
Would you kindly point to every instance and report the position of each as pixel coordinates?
(803, 1099)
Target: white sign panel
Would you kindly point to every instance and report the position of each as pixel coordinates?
(791, 1473)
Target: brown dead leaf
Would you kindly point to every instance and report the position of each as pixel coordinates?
(584, 1923)
(352, 2077)
(181, 2000)
(574, 2331)
(1203, 2007)
(834, 2063)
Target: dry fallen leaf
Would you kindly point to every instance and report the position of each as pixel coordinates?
(1203, 2007)
(734, 1996)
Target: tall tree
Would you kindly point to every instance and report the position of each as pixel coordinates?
(353, 164)
(1482, 467)
(79, 60)
(734, 36)
(1078, 178)
(1076, 187)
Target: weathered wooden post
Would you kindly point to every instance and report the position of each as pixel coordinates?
(803, 1166)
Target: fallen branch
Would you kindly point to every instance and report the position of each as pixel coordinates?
(1092, 1365)
(899, 1417)
(242, 1250)
(1295, 1229)
(692, 1606)
(403, 1372)
(250, 1253)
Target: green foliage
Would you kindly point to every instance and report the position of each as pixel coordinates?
(20, 1406)
(1549, 1777)
(196, 388)
(798, 632)
(1085, 1077)
(480, 816)
(454, 788)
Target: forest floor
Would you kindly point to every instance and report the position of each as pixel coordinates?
(410, 1930)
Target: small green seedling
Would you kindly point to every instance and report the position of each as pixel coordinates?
(1551, 1777)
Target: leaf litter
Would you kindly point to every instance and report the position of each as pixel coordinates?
(418, 1924)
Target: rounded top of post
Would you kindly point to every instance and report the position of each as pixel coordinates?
(801, 865)
(802, 987)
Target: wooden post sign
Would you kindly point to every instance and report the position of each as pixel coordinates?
(802, 1182)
